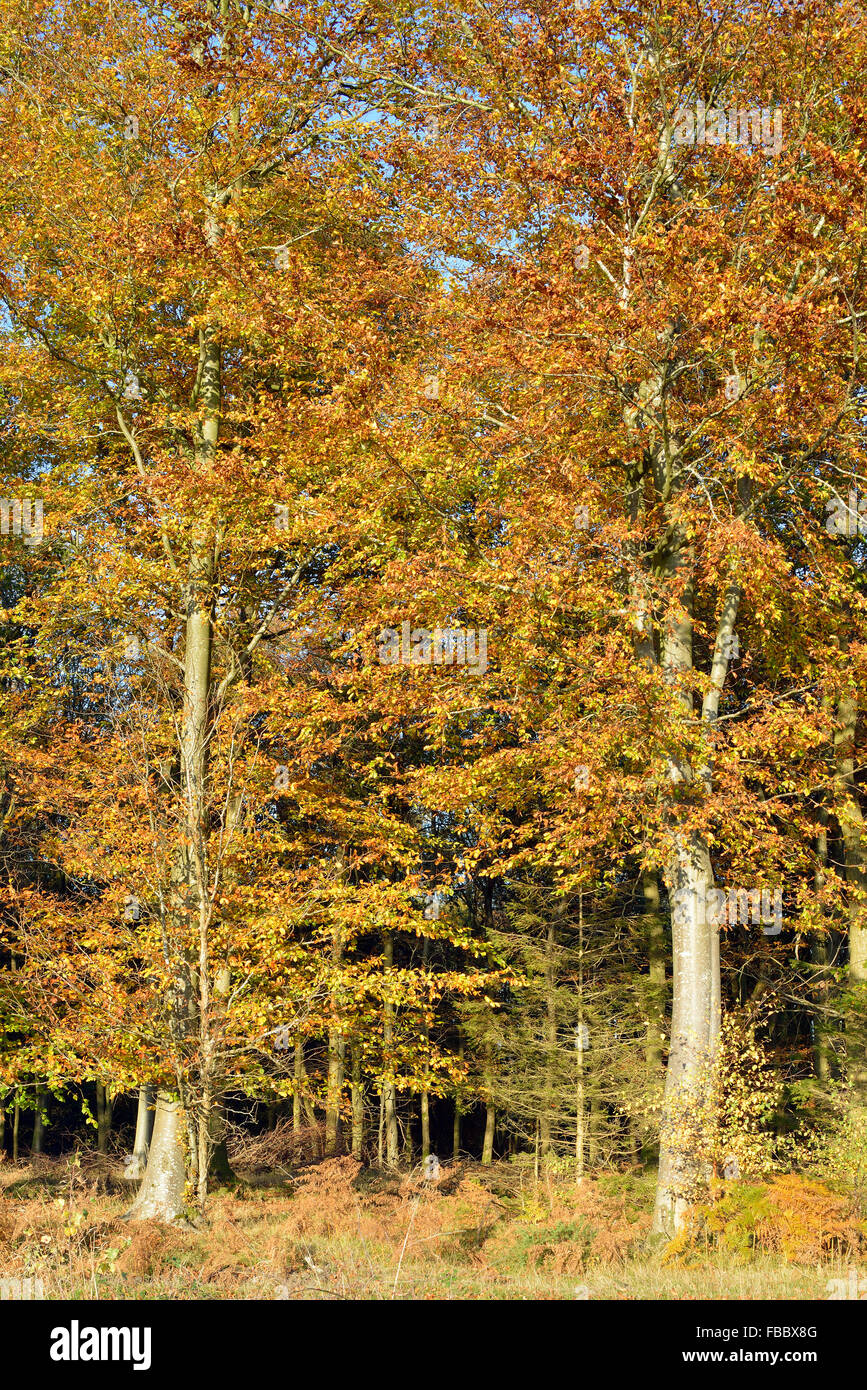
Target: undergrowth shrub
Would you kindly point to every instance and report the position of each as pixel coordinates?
(793, 1217)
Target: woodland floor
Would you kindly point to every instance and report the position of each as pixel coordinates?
(335, 1230)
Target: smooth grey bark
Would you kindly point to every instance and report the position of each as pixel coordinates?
(695, 968)
(161, 1195)
(695, 1022)
(135, 1169)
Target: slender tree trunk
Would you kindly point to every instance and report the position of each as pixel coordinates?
(389, 1097)
(593, 1131)
(380, 1133)
(490, 1113)
(425, 1125)
(550, 1039)
(456, 1127)
(490, 1125)
(357, 1104)
(851, 820)
(821, 956)
(161, 1195)
(425, 1094)
(334, 1087)
(335, 1063)
(579, 1113)
(654, 994)
(135, 1169)
(103, 1117)
(408, 1145)
(219, 1168)
(310, 1115)
(304, 1103)
(16, 1125)
(42, 1103)
(220, 1171)
(656, 984)
(296, 1093)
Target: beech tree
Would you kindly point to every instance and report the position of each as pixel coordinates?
(652, 341)
(449, 426)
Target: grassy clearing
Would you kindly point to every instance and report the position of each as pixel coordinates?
(333, 1230)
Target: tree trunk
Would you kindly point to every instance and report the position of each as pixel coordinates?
(425, 1124)
(39, 1119)
(103, 1117)
(550, 1041)
(821, 956)
(161, 1195)
(851, 822)
(654, 1001)
(593, 1131)
(488, 1144)
(219, 1168)
(220, 1171)
(357, 1104)
(425, 1093)
(191, 1005)
(296, 1093)
(16, 1125)
(135, 1169)
(305, 1103)
(490, 1115)
(389, 1098)
(654, 995)
(334, 1087)
(456, 1126)
(693, 1036)
(695, 1020)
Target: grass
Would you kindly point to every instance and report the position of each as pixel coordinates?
(335, 1231)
